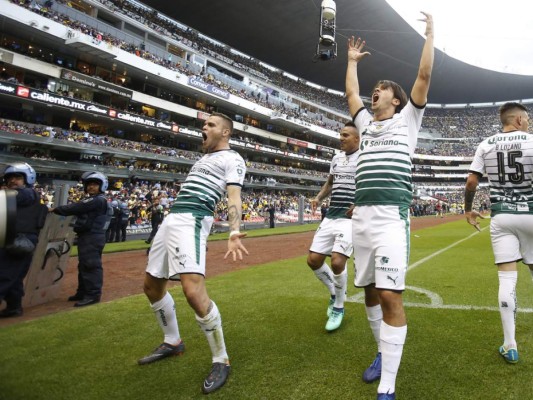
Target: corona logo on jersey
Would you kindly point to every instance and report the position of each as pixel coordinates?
(506, 138)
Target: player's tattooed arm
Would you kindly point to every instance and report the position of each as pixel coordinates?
(235, 246)
(470, 192)
(472, 181)
(469, 199)
(234, 218)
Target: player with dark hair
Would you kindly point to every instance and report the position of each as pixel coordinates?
(334, 235)
(507, 159)
(178, 251)
(382, 200)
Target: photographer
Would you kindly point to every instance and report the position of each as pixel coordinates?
(93, 217)
(156, 218)
(15, 258)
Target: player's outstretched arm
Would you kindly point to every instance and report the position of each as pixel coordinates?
(420, 90)
(235, 246)
(355, 54)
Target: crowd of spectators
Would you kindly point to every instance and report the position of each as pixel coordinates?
(139, 195)
(139, 147)
(465, 122)
(451, 195)
(435, 200)
(461, 148)
(472, 124)
(468, 125)
(293, 111)
(189, 37)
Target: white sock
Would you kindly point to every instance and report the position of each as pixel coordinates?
(392, 341)
(507, 304)
(165, 313)
(340, 282)
(211, 324)
(374, 315)
(325, 275)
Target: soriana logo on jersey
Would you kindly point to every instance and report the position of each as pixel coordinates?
(23, 91)
(112, 113)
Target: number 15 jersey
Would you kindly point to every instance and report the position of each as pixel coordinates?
(507, 159)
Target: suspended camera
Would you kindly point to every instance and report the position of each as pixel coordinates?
(327, 47)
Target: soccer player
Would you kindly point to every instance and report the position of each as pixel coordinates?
(334, 235)
(179, 248)
(507, 159)
(382, 199)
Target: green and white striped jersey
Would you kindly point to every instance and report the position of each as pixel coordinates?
(383, 172)
(342, 169)
(507, 159)
(207, 181)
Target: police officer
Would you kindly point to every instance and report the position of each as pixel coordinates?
(93, 217)
(114, 225)
(123, 222)
(14, 265)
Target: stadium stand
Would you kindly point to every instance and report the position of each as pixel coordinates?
(117, 86)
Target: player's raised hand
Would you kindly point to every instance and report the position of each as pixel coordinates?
(235, 247)
(355, 49)
(428, 19)
(314, 205)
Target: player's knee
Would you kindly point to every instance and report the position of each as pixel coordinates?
(197, 297)
(314, 261)
(391, 302)
(338, 263)
(191, 292)
(153, 289)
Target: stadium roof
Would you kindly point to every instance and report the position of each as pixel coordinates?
(285, 34)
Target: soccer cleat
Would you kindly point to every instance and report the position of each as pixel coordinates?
(216, 378)
(373, 373)
(330, 306)
(335, 319)
(164, 350)
(510, 355)
(386, 396)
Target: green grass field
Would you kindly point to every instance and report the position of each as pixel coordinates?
(140, 244)
(274, 317)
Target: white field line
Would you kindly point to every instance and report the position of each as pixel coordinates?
(423, 260)
(436, 300)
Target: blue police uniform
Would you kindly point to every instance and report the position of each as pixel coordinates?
(93, 218)
(15, 267)
(31, 215)
(91, 224)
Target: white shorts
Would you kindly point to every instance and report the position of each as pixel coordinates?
(381, 246)
(333, 235)
(512, 238)
(179, 246)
